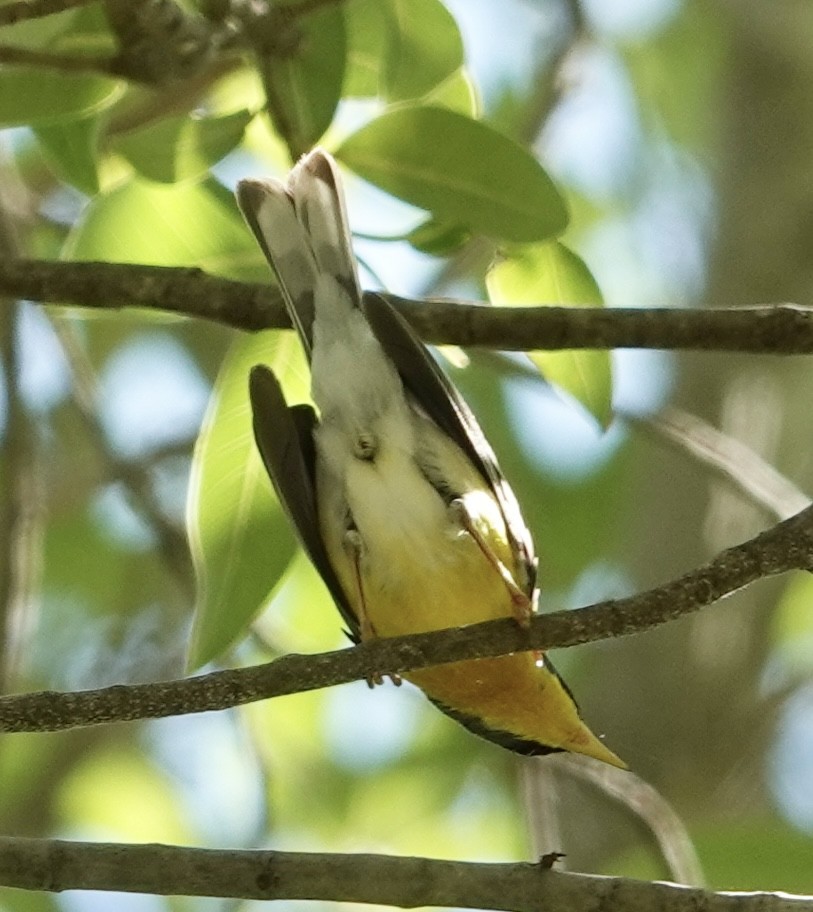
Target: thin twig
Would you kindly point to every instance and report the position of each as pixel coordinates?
(769, 329)
(57, 865)
(648, 804)
(786, 546)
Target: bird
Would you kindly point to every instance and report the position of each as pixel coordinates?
(394, 491)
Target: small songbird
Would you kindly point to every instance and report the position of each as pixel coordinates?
(394, 491)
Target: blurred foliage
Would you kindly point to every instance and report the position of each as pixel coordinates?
(633, 153)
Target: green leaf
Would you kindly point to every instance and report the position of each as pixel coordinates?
(401, 49)
(241, 539)
(34, 97)
(438, 238)
(166, 225)
(186, 224)
(460, 169)
(183, 148)
(552, 274)
(458, 93)
(85, 30)
(305, 87)
(368, 23)
(71, 149)
(424, 48)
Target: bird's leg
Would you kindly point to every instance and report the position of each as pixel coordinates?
(520, 601)
(355, 549)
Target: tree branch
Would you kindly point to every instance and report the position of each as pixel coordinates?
(109, 286)
(786, 546)
(771, 328)
(160, 42)
(56, 865)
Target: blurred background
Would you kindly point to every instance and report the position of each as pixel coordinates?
(680, 134)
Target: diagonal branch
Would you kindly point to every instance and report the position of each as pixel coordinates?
(56, 865)
(770, 328)
(786, 546)
(647, 803)
(727, 457)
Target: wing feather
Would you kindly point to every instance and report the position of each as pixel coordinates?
(285, 440)
(439, 398)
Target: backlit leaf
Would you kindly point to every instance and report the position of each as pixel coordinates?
(36, 97)
(424, 48)
(183, 148)
(304, 87)
(242, 541)
(460, 169)
(552, 274)
(71, 148)
(166, 225)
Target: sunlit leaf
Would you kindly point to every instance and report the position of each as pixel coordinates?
(401, 49)
(35, 97)
(423, 49)
(186, 224)
(438, 238)
(239, 89)
(304, 87)
(182, 148)
(173, 225)
(458, 93)
(460, 169)
(552, 274)
(368, 24)
(71, 149)
(85, 29)
(241, 539)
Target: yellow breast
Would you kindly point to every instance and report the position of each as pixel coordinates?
(420, 570)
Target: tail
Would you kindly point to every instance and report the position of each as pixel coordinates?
(301, 226)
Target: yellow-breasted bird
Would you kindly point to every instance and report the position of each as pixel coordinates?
(395, 493)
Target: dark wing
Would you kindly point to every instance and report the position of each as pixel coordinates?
(285, 440)
(438, 397)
